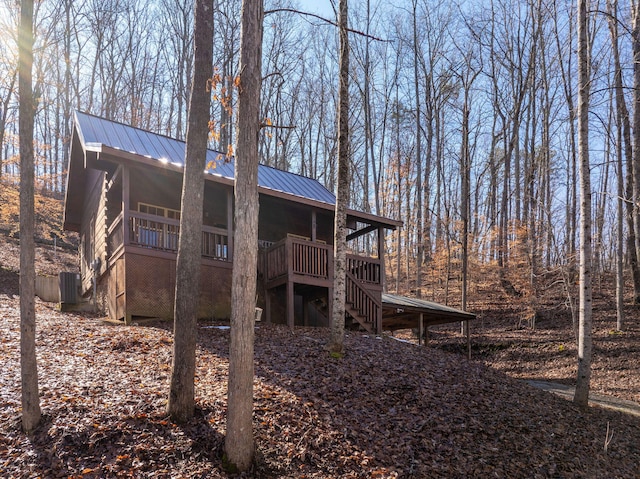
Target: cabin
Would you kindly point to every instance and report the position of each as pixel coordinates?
(123, 198)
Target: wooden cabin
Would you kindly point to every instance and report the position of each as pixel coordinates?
(123, 198)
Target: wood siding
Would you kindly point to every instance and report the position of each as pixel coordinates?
(94, 229)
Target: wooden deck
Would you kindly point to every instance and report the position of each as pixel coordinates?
(299, 261)
(291, 261)
(161, 234)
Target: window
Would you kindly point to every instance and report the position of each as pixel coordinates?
(159, 211)
(158, 234)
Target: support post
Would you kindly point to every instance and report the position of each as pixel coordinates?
(230, 225)
(290, 304)
(420, 329)
(314, 225)
(267, 300)
(126, 206)
(330, 306)
(383, 281)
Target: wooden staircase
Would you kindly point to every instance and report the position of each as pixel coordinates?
(362, 305)
(310, 264)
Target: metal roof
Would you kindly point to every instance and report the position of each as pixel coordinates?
(400, 312)
(420, 304)
(95, 133)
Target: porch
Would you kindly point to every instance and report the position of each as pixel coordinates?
(161, 234)
(297, 261)
(293, 263)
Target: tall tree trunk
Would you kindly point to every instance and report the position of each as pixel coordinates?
(581, 397)
(419, 214)
(619, 233)
(182, 394)
(342, 197)
(239, 445)
(28, 365)
(621, 125)
(635, 39)
(570, 196)
(624, 127)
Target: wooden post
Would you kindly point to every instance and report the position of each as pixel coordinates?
(381, 257)
(267, 300)
(126, 206)
(468, 341)
(305, 310)
(314, 225)
(230, 225)
(330, 306)
(420, 329)
(290, 304)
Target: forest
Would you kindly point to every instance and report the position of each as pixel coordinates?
(504, 135)
(463, 117)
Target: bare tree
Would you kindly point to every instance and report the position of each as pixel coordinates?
(182, 395)
(342, 197)
(28, 365)
(622, 126)
(419, 195)
(581, 397)
(239, 444)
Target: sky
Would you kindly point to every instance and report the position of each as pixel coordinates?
(319, 7)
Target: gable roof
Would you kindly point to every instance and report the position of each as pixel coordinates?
(97, 134)
(97, 143)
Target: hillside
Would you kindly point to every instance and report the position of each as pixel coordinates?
(56, 250)
(388, 409)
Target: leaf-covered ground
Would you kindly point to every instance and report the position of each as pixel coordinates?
(549, 352)
(387, 409)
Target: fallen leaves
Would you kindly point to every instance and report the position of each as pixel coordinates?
(386, 409)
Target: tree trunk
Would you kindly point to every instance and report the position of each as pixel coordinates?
(182, 395)
(612, 8)
(342, 197)
(624, 127)
(581, 397)
(635, 39)
(239, 445)
(419, 214)
(28, 365)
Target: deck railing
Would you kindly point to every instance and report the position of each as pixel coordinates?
(365, 306)
(162, 234)
(365, 270)
(294, 255)
(304, 257)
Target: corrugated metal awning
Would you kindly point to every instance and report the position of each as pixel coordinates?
(401, 312)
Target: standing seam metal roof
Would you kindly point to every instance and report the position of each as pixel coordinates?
(99, 131)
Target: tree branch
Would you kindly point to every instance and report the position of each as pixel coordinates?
(326, 20)
(280, 127)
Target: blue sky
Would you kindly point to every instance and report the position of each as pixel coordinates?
(319, 7)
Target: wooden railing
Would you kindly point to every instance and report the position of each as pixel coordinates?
(297, 256)
(365, 270)
(309, 258)
(160, 233)
(362, 304)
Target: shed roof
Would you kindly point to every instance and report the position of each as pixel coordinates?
(401, 312)
(98, 134)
